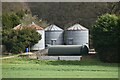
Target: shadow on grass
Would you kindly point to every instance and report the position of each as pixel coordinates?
(82, 63)
(86, 61)
(60, 79)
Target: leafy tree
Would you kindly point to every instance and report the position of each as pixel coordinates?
(12, 19)
(6, 21)
(15, 20)
(17, 40)
(67, 14)
(20, 14)
(105, 35)
(28, 19)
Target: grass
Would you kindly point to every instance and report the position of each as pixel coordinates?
(87, 68)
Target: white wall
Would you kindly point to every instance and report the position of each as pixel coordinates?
(41, 44)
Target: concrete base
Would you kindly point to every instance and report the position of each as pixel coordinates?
(48, 58)
(67, 58)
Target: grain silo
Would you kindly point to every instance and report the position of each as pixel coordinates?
(41, 43)
(53, 35)
(77, 35)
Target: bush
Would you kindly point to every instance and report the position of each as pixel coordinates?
(84, 50)
(105, 36)
(17, 40)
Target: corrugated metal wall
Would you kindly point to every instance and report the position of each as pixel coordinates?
(54, 37)
(77, 37)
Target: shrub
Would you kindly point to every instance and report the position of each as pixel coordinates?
(17, 40)
(84, 50)
(105, 36)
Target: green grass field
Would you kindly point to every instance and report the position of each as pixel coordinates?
(87, 68)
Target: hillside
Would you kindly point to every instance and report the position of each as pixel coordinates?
(65, 14)
(13, 6)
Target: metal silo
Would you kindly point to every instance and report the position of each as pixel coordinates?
(77, 35)
(53, 35)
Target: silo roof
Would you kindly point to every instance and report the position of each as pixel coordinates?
(53, 28)
(77, 27)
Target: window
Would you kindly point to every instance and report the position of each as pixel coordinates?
(53, 42)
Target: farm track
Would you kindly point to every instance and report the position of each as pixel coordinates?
(7, 57)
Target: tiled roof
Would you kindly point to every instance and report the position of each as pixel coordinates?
(33, 26)
(18, 27)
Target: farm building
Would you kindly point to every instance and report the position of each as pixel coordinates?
(77, 35)
(53, 35)
(41, 44)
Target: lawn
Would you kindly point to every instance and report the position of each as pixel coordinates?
(28, 68)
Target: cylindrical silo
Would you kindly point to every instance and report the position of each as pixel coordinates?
(53, 35)
(41, 43)
(77, 35)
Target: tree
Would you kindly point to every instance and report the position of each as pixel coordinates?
(105, 36)
(6, 21)
(15, 20)
(28, 19)
(17, 40)
(10, 20)
(20, 14)
(64, 13)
